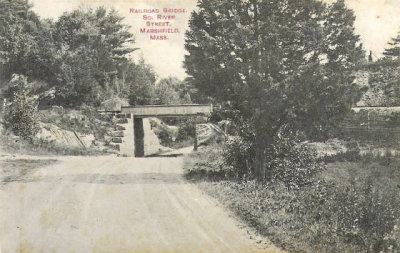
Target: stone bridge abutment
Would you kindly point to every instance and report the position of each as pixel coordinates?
(129, 131)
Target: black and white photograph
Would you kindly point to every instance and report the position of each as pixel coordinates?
(200, 126)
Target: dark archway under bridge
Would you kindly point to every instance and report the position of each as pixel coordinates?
(132, 141)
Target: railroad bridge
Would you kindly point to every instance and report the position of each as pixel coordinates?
(130, 136)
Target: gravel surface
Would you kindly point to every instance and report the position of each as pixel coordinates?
(114, 204)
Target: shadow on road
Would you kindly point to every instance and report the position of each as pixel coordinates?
(111, 179)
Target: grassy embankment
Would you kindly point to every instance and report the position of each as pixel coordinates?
(15, 145)
(86, 122)
(352, 206)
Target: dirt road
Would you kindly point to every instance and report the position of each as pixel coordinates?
(111, 204)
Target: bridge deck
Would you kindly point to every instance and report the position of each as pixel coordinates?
(167, 110)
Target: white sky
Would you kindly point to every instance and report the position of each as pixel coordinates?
(377, 21)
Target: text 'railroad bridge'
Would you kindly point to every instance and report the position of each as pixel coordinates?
(131, 142)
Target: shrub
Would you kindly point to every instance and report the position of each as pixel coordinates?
(162, 132)
(186, 129)
(292, 162)
(347, 207)
(321, 217)
(238, 154)
(21, 115)
(206, 164)
(361, 217)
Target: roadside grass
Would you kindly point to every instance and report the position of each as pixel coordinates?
(12, 144)
(182, 143)
(352, 206)
(21, 169)
(206, 164)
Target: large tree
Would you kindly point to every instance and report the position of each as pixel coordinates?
(79, 58)
(277, 62)
(393, 49)
(384, 81)
(166, 91)
(141, 80)
(91, 45)
(21, 40)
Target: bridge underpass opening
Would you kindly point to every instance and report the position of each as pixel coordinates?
(137, 113)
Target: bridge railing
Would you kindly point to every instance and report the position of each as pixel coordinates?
(167, 110)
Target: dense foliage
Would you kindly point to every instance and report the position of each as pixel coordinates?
(277, 63)
(384, 81)
(349, 207)
(393, 51)
(82, 57)
(23, 41)
(21, 115)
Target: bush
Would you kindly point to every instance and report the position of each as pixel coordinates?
(162, 132)
(238, 154)
(206, 164)
(292, 162)
(347, 207)
(321, 217)
(360, 217)
(21, 115)
(187, 129)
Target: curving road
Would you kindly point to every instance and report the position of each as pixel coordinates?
(115, 205)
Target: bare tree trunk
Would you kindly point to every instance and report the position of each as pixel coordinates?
(195, 144)
(259, 149)
(260, 164)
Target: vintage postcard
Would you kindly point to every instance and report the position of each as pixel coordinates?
(146, 126)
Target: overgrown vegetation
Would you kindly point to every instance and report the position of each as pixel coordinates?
(21, 115)
(176, 132)
(87, 120)
(284, 73)
(253, 57)
(288, 160)
(347, 207)
(378, 128)
(383, 83)
(207, 165)
(78, 61)
(81, 58)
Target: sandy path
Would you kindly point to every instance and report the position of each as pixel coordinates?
(110, 204)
